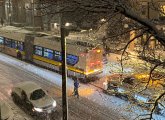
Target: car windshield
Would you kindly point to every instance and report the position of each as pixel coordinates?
(37, 94)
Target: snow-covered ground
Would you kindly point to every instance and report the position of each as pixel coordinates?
(86, 90)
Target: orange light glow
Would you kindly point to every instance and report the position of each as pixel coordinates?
(98, 61)
(92, 71)
(86, 91)
(98, 51)
(92, 64)
(145, 77)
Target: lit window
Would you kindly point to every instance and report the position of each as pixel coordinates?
(20, 46)
(57, 56)
(48, 53)
(14, 44)
(72, 59)
(8, 42)
(1, 40)
(38, 50)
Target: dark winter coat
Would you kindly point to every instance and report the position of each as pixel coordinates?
(76, 84)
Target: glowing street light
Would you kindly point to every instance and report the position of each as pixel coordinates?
(67, 24)
(126, 25)
(90, 29)
(103, 20)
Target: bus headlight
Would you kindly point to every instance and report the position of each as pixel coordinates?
(38, 109)
(54, 104)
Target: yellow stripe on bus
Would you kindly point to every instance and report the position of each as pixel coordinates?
(92, 71)
(46, 60)
(74, 69)
(56, 63)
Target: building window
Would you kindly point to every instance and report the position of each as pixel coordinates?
(48, 53)
(38, 50)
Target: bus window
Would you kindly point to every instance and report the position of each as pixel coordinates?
(14, 44)
(71, 59)
(20, 46)
(38, 50)
(1, 40)
(57, 56)
(8, 42)
(48, 53)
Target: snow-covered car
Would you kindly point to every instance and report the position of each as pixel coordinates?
(32, 97)
(5, 111)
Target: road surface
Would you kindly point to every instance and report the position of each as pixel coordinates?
(79, 109)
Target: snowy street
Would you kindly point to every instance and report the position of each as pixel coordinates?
(79, 109)
(93, 103)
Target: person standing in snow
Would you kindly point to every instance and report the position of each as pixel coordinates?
(76, 86)
(19, 55)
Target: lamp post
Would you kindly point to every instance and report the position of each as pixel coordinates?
(64, 75)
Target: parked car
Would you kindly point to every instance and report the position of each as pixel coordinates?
(33, 98)
(5, 111)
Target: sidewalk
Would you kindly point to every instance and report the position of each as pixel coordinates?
(88, 91)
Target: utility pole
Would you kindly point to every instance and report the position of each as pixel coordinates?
(64, 75)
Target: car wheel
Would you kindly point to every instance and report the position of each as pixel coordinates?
(31, 112)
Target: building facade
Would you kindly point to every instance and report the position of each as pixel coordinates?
(21, 13)
(153, 10)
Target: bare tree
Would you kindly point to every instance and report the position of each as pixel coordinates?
(122, 17)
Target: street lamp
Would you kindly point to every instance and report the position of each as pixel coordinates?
(126, 26)
(103, 20)
(64, 75)
(67, 24)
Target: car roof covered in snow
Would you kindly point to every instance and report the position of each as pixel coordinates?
(28, 86)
